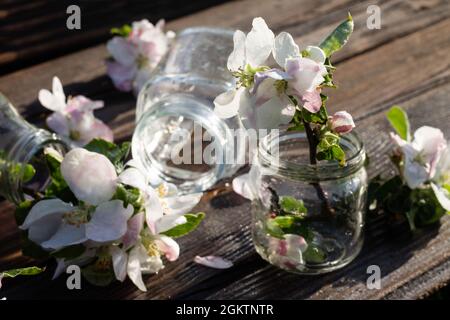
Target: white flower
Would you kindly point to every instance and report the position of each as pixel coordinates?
(342, 122)
(421, 156)
(145, 245)
(75, 119)
(144, 242)
(54, 224)
(135, 56)
(441, 180)
(266, 104)
(288, 252)
(254, 48)
(169, 199)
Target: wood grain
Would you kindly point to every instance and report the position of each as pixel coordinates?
(377, 69)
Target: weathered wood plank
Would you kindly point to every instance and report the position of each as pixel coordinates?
(36, 31)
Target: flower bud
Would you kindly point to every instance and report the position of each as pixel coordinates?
(342, 122)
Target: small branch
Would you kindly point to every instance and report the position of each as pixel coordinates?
(313, 142)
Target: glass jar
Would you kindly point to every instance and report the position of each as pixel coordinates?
(307, 219)
(178, 137)
(22, 163)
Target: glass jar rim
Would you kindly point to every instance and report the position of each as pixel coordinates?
(323, 170)
(208, 29)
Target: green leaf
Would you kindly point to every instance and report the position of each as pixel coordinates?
(129, 195)
(289, 224)
(338, 38)
(193, 220)
(338, 154)
(314, 254)
(98, 277)
(22, 211)
(123, 31)
(28, 173)
(292, 205)
(29, 271)
(70, 252)
(399, 121)
(115, 153)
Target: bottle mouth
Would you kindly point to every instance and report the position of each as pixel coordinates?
(29, 150)
(286, 153)
(181, 141)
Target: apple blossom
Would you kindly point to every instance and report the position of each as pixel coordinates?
(90, 175)
(421, 156)
(137, 54)
(54, 224)
(342, 122)
(74, 120)
(287, 252)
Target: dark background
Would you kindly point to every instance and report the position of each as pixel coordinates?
(33, 31)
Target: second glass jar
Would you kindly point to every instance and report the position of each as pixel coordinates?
(307, 219)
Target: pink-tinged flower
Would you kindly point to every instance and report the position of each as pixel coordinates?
(441, 180)
(287, 252)
(421, 156)
(74, 120)
(213, 262)
(90, 175)
(135, 56)
(342, 122)
(306, 76)
(144, 242)
(54, 224)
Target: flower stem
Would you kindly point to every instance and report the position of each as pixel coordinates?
(313, 141)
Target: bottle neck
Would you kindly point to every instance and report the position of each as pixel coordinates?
(25, 154)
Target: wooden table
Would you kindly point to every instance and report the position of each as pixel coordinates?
(406, 62)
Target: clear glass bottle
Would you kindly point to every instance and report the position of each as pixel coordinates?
(307, 219)
(175, 113)
(22, 145)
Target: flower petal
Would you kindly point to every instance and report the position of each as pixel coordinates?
(227, 103)
(119, 261)
(137, 254)
(316, 54)
(284, 48)
(181, 204)
(122, 51)
(259, 43)
(442, 195)
(134, 228)
(121, 75)
(153, 208)
(236, 58)
(312, 101)
(109, 221)
(168, 222)
(306, 75)
(432, 143)
(133, 177)
(58, 123)
(97, 130)
(213, 262)
(169, 247)
(90, 176)
(242, 185)
(46, 208)
(66, 235)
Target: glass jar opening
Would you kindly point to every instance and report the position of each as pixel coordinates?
(286, 153)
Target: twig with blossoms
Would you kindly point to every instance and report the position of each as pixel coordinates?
(277, 84)
(107, 220)
(73, 119)
(135, 51)
(421, 190)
